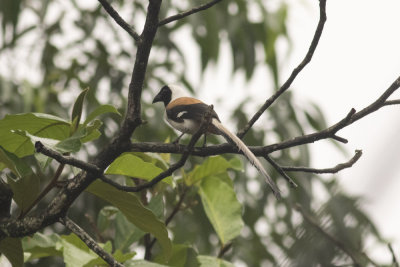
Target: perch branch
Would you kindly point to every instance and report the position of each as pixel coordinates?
(204, 124)
(295, 72)
(119, 20)
(73, 227)
(188, 13)
(335, 169)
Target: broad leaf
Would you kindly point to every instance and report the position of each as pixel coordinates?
(99, 111)
(208, 261)
(142, 263)
(135, 212)
(77, 110)
(40, 245)
(37, 124)
(126, 233)
(12, 249)
(222, 208)
(133, 166)
(25, 190)
(76, 252)
(211, 166)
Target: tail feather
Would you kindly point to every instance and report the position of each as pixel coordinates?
(249, 155)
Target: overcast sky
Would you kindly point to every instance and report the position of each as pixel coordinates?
(357, 59)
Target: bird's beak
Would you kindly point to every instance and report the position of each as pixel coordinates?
(157, 98)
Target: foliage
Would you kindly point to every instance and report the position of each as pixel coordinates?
(219, 202)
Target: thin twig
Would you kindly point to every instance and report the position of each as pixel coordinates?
(280, 170)
(119, 20)
(224, 248)
(335, 169)
(40, 148)
(395, 263)
(188, 13)
(312, 221)
(295, 72)
(73, 227)
(392, 102)
(45, 191)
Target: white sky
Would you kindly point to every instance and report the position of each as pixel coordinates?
(358, 57)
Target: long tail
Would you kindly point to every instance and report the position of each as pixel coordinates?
(249, 155)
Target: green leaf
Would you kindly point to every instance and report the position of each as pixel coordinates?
(37, 124)
(179, 256)
(99, 111)
(135, 212)
(105, 216)
(142, 263)
(91, 131)
(12, 249)
(222, 208)
(208, 261)
(211, 166)
(8, 162)
(126, 233)
(40, 246)
(25, 190)
(77, 110)
(75, 251)
(133, 166)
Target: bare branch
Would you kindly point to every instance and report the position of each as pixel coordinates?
(119, 20)
(392, 102)
(335, 169)
(312, 221)
(40, 148)
(73, 227)
(295, 72)
(188, 13)
(395, 263)
(280, 171)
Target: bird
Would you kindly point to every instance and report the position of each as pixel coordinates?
(185, 114)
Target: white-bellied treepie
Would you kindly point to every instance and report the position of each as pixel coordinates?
(186, 113)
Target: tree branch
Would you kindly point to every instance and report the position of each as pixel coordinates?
(40, 148)
(295, 72)
(188, 13)
(335, 169)
(204, 124)
(280, 170)
(119, 20)
(73, 227)
(392, 102)
(60, 204)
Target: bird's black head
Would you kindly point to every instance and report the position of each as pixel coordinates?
(164, 95)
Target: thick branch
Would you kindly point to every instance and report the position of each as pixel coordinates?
(188, 13)
(335, 169)
(295, 72)
(119, 20)
(60, 204)
(73, 227)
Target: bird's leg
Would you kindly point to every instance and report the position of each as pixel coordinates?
(176, 141)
